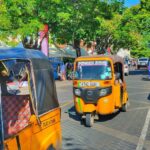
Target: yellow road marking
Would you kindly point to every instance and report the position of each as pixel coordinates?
(65, 104)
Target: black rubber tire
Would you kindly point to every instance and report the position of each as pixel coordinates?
(124, 107)
(89, 121)
(51, 148)
(99, 116)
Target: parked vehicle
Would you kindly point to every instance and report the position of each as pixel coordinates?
(143, 62)
(55, 63)
(29, 109)
(99, 86)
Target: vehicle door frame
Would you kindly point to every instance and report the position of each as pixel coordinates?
(119, 69)
(1, 124)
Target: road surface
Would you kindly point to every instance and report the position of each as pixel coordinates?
(120, 131)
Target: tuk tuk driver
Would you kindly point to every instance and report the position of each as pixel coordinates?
(118, 79)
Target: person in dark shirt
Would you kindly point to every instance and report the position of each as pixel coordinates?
(58, 72)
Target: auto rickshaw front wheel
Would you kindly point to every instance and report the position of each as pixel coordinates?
(89, 121)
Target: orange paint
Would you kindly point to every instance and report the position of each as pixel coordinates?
(105, 104)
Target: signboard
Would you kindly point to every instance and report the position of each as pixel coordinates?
(93, 63)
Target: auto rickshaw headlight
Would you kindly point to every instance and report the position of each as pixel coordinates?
(77, 92)
(105, 91)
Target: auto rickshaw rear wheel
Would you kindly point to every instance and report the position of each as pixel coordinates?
(89, 120)
(124, 107)
(51, 148)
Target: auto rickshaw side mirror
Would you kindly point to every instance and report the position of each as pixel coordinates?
(117, 75)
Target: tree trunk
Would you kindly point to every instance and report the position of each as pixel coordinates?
(77, 47)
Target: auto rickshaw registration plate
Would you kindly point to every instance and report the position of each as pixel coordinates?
(81, 84)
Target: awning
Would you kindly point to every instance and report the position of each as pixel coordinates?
(55, 52)
(68, 51)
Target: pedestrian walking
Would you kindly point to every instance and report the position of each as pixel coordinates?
(58, 72)
(63, 72)
(68, 71)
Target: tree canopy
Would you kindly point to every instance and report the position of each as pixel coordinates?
(108, 20)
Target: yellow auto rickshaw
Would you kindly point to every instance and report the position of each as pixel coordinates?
(29, 108)
(99, 86)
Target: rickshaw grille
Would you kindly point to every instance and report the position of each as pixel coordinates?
(90, 95)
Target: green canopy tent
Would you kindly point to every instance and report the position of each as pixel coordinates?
(70, 50)
(56, 52)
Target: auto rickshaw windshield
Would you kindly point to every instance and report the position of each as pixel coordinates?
(93, 70)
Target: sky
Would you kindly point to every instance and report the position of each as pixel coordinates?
(130, 3)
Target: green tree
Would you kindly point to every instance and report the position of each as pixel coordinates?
(66, 18)
(135, 23)
(72, 20)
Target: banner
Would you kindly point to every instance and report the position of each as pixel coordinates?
(43, 40)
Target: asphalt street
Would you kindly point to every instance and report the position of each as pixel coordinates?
(120, 131)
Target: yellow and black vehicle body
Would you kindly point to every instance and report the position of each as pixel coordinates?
(29, 109)
(99, 86)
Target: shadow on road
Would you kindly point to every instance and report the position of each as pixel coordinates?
(101, 118)
(73, 115)
(70, 144)
(148, 97)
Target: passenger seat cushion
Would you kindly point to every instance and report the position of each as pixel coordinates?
(16, 113)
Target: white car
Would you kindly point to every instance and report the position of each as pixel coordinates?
(142, 62)
(126, 69)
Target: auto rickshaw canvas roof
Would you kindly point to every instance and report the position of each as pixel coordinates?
(114, 58)
(20, 53)
(43, 85)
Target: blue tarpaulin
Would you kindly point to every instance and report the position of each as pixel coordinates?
(20, 53)
(55, 61)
